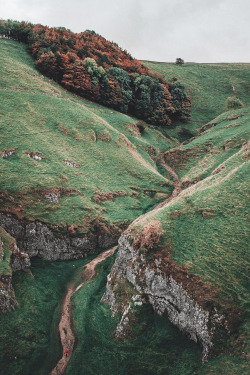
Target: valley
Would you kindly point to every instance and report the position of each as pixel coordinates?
(78, 178)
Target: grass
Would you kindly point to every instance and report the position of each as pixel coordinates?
(37, 115)
(212, 147)
(206, 226)
(155, 345)
(217, 208)
(209, 86)
(29, 342)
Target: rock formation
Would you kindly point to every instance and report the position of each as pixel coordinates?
(166, 295)
(12, 259)
(37, 239)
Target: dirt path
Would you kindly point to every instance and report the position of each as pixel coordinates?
(65, 326)
(176, 182)
(177, 190)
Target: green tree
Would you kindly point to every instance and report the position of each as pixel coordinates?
(124, 82)
(179, 61)
(97, 72)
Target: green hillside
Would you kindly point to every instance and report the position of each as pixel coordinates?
(69, 162)
(115, 178)
(206, 227)
(209, 86)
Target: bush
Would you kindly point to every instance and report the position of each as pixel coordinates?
(179, 61)
(141, 126)
(90, 66)
(234, 103)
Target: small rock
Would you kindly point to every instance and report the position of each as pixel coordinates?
(7, 153)
(35, 155)
(52, 197)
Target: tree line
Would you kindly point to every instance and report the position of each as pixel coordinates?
(90, 66)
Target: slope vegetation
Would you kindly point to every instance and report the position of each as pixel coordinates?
(208, 86)
(97, 69)
(213, 203)
(202, 234)
(75, 166)
(67, 161)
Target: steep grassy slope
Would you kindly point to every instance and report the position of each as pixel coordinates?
(209, 86)
(217, 209)
(113, 177)
(217, 141)
(206, 233)
(206, 228)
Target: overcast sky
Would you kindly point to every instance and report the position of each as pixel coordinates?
(159, 30)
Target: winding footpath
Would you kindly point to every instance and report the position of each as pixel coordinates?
(65, 326)
(176, 182)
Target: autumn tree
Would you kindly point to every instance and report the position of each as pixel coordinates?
(89, 65)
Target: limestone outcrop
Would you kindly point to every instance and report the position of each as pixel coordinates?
(37, 239)
(166, 295)
(12, 260)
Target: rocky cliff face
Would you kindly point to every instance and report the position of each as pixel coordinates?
(36, 239)
(152, 285)
(7, 294)
(12, 259)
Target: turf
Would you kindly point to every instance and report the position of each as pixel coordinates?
(209, 86)
(216, 207)
(29, 342)
(155, 346)
(206, 226)
(197, 159)
(39, 116)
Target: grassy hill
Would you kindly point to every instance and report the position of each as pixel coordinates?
(94, 161)
(69, 162)
(206, 227)
(209, 86)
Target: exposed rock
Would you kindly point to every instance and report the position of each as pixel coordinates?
(52, 197)
(109, 297)
(162, 291)
(207, 126)
(35, 155)
(7, 295)
(37, 239)
(120, 329)
(71, 164)
(7, 153)
(13, 260)
(19, 260)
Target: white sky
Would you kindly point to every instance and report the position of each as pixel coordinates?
(159, 30)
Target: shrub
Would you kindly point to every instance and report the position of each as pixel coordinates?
(90, 66)
(179, 61)
(151, 235)
(141, 126)
(234, 103)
